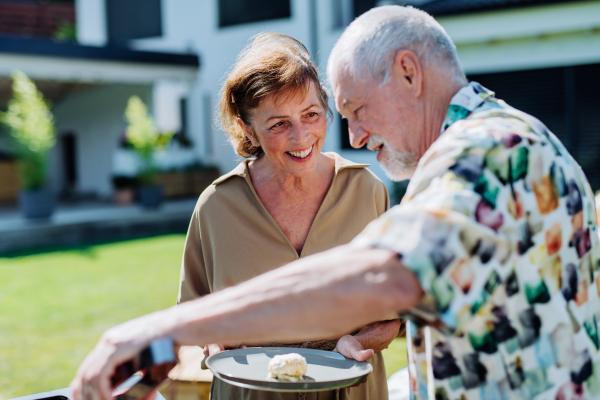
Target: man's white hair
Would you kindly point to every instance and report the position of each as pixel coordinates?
(367, 48)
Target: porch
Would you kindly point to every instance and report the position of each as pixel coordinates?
(91, 222)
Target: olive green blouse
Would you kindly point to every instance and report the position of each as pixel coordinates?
(232, 238)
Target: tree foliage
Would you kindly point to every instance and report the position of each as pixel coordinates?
(31, 124)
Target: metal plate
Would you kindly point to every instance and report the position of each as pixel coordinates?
(248, 368)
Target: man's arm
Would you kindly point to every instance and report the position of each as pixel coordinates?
(323, 295)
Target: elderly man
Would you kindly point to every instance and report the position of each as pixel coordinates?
(493, 253)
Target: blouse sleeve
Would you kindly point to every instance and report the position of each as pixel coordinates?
(460, 222)
(193, 281)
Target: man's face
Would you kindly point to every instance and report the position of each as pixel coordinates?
(384, 119)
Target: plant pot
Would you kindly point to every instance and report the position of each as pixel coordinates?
(37, 204)
(124, 196)
(151, 196)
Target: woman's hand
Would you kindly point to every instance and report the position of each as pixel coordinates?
(371, 339)
(216, 348)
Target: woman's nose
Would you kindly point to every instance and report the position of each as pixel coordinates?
(301, 133)
(358, 135)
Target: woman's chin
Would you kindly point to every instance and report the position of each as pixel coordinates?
(300, 167)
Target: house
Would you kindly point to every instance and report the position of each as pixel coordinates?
(542, 56)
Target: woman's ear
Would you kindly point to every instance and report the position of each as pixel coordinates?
(248, 132)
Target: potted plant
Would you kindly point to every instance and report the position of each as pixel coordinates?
(31, 124)
(146, 140)
(124, 188)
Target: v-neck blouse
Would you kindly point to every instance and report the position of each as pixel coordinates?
(233, 238)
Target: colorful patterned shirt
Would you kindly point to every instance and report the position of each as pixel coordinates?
(498, 224)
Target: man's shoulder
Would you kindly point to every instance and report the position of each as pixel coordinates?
(491, 128)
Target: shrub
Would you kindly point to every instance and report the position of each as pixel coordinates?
(31, 124)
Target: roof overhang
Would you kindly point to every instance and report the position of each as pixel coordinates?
(542, 36)
(43, 59)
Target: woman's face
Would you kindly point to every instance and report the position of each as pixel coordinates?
(290, 126)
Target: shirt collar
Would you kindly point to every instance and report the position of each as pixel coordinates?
(464, 102)
(242, 168)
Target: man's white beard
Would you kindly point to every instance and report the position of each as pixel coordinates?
(397, 165)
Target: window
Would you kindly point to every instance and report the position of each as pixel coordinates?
(235, 12)
(362, 6)
(345, 134)
(132, 19)
(342, 13)
(565, 100)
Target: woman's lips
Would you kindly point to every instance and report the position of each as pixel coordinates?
(301, 155)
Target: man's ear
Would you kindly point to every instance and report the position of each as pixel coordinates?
(407, 69)
(248, 132)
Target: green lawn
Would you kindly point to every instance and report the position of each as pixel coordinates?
(55, 305)
(395, 356)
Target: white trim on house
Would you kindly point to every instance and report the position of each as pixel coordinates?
(527, 38)
(93, 71)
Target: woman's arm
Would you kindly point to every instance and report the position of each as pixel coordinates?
(375, 337)
(193, 279)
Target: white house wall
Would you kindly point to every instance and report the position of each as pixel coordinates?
(514, 39)
(96, 118)
(91, 22)
(93, 71)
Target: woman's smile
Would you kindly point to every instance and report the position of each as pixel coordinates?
(301, 155)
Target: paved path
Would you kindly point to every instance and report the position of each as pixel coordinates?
(72, 225)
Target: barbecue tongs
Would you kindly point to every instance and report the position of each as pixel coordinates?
(137, 378)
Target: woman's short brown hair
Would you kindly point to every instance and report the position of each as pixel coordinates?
(272, 62)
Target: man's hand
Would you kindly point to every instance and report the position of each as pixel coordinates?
(371, 339)
(93, 379)
(323, 295)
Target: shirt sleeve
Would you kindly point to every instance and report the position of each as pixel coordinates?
(462, 217)
(193, 281)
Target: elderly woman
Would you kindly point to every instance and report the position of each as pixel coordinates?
(285, 201)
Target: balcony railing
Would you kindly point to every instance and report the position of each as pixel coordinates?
(32, 19)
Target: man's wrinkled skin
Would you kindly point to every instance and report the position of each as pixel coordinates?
(323, 295)
(371, 339)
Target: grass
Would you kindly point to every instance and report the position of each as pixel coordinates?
(55, 305)
(395, 356)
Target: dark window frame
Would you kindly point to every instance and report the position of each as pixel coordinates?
(133, 19)
(246, 16)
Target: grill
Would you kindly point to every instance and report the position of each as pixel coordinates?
(134, 379)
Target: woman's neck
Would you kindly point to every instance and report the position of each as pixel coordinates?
(265, 175)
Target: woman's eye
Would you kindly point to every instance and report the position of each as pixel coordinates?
(312, 114)
(277, 125)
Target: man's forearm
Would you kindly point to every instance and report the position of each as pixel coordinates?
(320, 296)
(325, 295)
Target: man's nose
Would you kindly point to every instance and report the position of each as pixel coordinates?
(358, 136)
